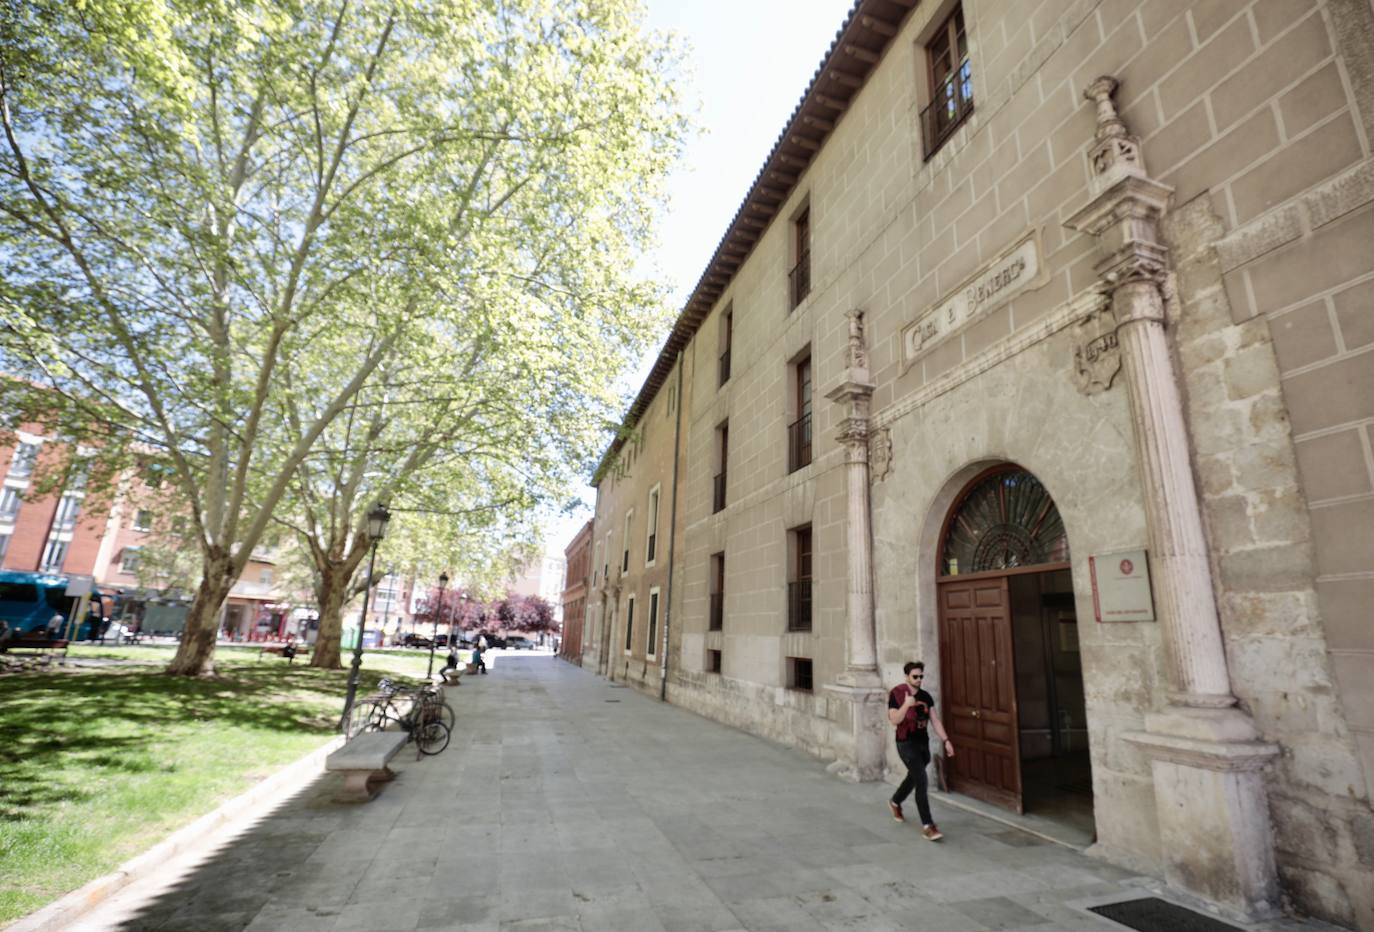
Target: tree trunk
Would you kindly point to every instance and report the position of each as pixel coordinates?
(195, 655)
(330, 594)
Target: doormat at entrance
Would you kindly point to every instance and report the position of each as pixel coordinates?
(1155, 915)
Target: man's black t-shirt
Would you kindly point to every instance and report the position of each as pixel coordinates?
(913, 726)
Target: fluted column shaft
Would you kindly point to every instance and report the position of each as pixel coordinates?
(863, 648)
(1182, 573)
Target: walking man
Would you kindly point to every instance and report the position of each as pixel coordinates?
(909, 707)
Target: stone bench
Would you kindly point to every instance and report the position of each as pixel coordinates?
(44, 646)
(363, 762)
(296, 650)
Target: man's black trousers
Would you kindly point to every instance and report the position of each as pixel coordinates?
(916, 755)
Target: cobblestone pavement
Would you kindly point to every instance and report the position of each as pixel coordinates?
(567, 803)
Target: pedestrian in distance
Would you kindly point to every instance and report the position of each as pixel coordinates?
(910, 708)
(477, 661)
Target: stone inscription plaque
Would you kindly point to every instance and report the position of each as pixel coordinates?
(1121, 586)
(1016, 270)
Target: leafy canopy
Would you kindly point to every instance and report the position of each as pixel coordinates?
(231, 227)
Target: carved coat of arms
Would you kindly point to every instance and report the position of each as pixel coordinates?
(1096, 352)
(880, 454)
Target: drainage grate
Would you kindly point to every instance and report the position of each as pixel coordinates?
(1155, 915)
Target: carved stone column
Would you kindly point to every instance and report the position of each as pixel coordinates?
(1206, 755)
(859, 690)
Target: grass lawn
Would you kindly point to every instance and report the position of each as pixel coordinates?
(99, 764)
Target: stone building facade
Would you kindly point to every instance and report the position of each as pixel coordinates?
(1042, 349)
(633, 545)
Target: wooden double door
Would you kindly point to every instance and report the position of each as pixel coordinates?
(978, 689)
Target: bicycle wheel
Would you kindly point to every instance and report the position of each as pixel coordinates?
(431, 737)
(441, 712)
(379, 718)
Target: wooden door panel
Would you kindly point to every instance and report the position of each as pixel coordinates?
(979, 691)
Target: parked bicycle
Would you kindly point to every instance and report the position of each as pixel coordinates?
(421, 712)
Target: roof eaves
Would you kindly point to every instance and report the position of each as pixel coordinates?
(858, 46)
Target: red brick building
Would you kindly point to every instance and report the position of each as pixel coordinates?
(579, 556)
(68, 532)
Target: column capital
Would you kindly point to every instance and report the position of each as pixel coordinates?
(855, 387)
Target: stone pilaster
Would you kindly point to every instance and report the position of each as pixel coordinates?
(1206, 755)
(858, 690)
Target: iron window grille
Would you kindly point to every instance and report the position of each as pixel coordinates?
(800, 278)
(951, 84)
(799, 443)
(800, 673)
(799, 605)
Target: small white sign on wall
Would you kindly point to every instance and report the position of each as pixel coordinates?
(1121, 586)
(1017, 269)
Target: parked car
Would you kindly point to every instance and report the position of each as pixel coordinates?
(416, 640)
(519, 644)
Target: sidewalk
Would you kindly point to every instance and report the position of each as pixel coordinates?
(567, 803)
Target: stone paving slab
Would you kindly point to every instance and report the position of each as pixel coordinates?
(556, 809)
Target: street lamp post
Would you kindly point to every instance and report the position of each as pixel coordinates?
(377, 520)
(434, 635)
(386, 612)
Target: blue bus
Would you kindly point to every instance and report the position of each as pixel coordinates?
(29, 600)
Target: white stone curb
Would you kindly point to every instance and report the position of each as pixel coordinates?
(74, 905)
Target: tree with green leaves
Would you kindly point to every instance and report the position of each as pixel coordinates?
(236, 230)
(467, 435)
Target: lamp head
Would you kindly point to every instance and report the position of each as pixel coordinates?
(377, 520)
(443, 579)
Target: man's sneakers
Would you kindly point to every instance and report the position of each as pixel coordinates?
(931, 833)
(896, 811)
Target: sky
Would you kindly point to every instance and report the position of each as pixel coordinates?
(747, 64)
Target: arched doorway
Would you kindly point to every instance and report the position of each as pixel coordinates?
(1011, 677)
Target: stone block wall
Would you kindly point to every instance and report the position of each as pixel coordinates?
(1260, 115)
(1260, 534)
